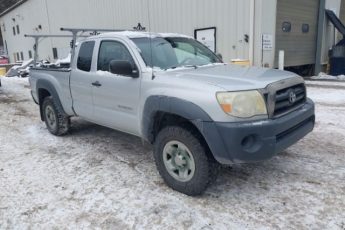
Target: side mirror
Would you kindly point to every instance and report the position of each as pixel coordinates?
(123, 68)
(220, 56)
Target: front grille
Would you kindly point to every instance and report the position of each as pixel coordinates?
(289, 98)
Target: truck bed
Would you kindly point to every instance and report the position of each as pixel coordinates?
(56, 78)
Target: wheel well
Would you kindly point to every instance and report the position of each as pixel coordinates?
(42, 93)
(163, 119)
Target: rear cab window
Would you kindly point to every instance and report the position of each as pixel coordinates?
(85, 56)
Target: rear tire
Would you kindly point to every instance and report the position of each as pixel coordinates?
(57, 122)
(183, 160)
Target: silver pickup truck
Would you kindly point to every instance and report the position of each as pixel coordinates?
(174, 93)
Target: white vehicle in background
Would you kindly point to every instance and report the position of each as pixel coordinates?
(176, 94)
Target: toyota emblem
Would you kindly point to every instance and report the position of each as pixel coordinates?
(292, 97)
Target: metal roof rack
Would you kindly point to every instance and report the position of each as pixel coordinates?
(37, 38)
(76, 32)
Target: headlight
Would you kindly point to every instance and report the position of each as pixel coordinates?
(243, 104)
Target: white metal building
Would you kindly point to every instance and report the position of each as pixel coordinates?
(240, 25)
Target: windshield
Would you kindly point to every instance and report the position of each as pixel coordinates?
(170, 53)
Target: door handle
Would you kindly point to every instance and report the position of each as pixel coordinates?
(97, 84)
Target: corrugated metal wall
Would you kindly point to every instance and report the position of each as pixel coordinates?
(231, 17)
(299, 47)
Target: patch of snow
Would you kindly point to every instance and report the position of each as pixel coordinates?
(65, 60)
(323, 76)
(325, 83)
(169, 35)
(139, 34)
(179, 68)
(327, 95)
(27, 63)
(212, 64)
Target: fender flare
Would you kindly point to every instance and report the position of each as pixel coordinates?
(46, 85)
(171, 105)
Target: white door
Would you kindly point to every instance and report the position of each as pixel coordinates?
(207, 37)
(115, 97)
(243, 29)
(81, 80)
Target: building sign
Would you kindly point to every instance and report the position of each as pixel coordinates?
(206, 36)
(267, 42)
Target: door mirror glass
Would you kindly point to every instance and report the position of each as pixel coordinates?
(122, 68)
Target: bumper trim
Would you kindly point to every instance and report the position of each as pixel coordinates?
(243, 142)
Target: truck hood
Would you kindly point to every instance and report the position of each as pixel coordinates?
(230, 77)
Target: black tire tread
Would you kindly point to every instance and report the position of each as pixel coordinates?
(207, 167)
(63, 124)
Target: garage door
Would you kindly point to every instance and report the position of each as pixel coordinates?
(296, 31)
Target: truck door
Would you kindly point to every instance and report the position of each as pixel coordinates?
(81, 79)
(115, 97)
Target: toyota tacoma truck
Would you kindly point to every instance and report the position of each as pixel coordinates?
(173, 92)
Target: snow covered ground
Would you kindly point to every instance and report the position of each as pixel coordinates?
(324, 76)
(102, 179)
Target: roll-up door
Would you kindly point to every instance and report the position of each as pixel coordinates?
(296, 31)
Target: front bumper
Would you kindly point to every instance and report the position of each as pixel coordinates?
(260, 140)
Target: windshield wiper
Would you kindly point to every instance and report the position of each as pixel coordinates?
(182, 66)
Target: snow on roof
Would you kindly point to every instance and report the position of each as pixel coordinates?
(139, 34)
(9, 5)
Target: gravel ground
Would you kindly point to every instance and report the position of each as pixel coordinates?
(97, 178)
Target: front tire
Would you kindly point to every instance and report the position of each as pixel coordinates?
(182, 160)
(57, 122)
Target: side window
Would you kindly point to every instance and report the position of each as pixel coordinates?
(112, 50)
(184, 51)
(85, 56)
